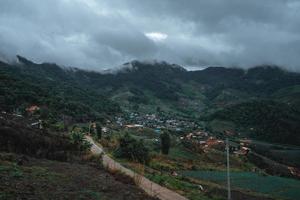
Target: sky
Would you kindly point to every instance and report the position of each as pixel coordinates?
(101, 34)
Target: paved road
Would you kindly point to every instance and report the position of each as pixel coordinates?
(148, 186)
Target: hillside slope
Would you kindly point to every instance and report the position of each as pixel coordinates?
(40, 164)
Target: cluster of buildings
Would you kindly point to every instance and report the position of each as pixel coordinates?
(200, 138)
(205, 141)
(30, 121)
(135, 120)
(38, 123)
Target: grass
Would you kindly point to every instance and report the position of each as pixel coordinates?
(181, 186)
(270, 185)
(181, 152)
(285, 154)
(220, 126)
(45, 179)
(172, 182)
(89, 194)
(12, 170)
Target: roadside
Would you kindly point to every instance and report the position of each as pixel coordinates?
(41, 164)
(148, 186)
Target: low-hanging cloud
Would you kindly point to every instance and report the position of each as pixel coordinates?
(96, 34)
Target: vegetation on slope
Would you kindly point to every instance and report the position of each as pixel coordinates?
(52, 88)
(267, 120)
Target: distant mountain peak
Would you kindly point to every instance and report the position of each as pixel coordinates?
(126, 67)
(162, 65)
(137, 65)
(24, 60)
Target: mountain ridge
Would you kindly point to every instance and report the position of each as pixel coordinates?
(147, 88)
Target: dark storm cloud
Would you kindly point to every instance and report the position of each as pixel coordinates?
(97, 34)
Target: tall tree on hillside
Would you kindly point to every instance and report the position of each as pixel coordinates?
(165, 141)
(98, 131)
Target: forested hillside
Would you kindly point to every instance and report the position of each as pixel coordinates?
(264, 98)
(266, 120)
(53, 88)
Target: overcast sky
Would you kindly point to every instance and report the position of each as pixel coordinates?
(98, 34)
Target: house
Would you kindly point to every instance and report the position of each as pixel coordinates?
(245, 142)
(157, 130)
(32, 108)
(17, 115)
(104, 129)
(201, 134)
(229, 133)
(294, 171)
(189, 136)
(243, 151)
(214, 143)
(202, 142)
(37, 124)
(134, 126)
(174, 173)
(233, 146)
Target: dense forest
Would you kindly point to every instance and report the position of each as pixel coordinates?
(265, 120)
(53, 90)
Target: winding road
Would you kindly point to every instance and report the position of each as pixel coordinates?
(148, 186)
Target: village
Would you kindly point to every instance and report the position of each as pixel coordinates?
(155, 121)
(187, 132)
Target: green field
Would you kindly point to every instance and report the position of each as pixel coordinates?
(271, 185)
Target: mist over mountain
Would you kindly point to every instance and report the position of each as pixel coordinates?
(99, 34)
(205, 95)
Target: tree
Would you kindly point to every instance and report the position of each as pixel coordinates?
(158, 109)
(98, 131)
(132, 149)
(135, 107)
(165, 141)
(77, 138)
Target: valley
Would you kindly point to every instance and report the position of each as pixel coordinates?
(159, 120)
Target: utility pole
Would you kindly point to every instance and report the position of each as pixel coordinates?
(228, 171)
(90, 128)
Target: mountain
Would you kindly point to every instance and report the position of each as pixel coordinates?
(53, 88)
(264, 98)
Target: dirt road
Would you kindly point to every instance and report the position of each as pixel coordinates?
(148, 186)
